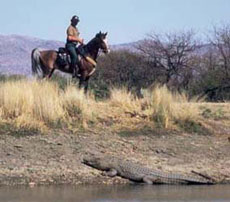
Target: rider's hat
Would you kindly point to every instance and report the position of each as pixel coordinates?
(75, 18)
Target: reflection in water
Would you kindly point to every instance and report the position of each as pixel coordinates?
(126, 193)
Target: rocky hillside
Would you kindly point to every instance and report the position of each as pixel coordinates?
(15, 52)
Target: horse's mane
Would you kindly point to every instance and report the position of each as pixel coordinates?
(91, 42)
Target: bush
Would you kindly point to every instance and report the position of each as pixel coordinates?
(121, 68)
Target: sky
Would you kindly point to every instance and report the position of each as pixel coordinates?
(124, 20)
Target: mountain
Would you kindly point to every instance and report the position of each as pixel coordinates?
(125, 46)
(15, 52)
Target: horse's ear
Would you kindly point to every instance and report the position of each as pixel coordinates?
(98, 35)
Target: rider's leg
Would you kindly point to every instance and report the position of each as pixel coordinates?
(78, 63)
(74, 58)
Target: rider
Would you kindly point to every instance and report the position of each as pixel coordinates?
(71, 44)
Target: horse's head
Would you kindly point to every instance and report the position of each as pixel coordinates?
(103, 43)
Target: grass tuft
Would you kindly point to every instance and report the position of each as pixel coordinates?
(124, 99)
(166, 107)
(34, 104)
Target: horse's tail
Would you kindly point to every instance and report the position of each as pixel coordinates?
(36, 63)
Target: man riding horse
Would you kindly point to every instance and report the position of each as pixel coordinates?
(71, 44)
(45, 62)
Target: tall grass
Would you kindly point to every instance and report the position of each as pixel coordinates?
(166, 107)
(35, 99)
(41, 102)
(77, 106)
(159, 105)
(124, 99)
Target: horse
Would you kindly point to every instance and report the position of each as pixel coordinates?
(45, 62)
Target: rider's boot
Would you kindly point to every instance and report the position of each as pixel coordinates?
(77, 72)
(73, 67)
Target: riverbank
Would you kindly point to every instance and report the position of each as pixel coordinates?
(46, 130)
(55, 157)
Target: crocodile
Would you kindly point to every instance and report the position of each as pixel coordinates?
(114, 166)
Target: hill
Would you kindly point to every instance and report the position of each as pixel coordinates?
(15, 52)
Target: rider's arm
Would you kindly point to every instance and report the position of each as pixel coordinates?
(71, 36)
(75, 39)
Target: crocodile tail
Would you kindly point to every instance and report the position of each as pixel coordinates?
(194, 180)
(180, 179)
(200, 181)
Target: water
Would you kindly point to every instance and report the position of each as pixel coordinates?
(127, 193)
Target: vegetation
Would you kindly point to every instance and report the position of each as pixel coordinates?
(29, 105)
(179, 60)
(153, 85)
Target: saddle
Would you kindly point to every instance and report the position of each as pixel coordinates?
(64, 58)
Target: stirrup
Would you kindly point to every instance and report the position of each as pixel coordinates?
(76, 75)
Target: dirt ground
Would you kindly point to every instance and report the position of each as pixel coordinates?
(55, 158)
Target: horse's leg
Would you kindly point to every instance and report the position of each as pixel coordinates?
(44, 75)
(51, 65)
(82, 82)
(86, 85)
(51, 73)
(48, 59)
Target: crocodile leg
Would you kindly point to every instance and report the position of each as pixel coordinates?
(153, 180)
(148, 179)
(111, 173)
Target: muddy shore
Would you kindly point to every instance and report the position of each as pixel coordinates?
(55, 158)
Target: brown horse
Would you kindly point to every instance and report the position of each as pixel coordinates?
(45, 62)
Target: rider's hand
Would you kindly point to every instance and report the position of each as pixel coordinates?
(82, 41)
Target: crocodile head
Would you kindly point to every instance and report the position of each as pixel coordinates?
(98, 161)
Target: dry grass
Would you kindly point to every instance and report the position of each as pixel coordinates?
(77, 106)
(35, 99)
(158, 105)
(166, 107)
(123, 99)
(40, 105)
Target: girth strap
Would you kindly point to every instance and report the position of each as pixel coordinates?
(91, 61)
